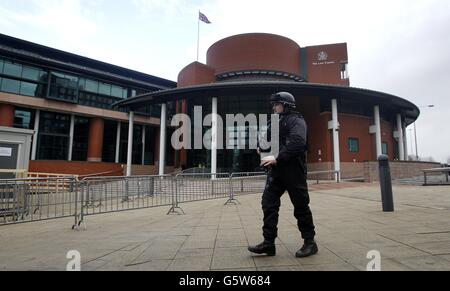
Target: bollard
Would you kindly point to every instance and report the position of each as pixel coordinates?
(385, 184)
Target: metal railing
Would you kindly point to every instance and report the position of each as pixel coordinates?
(319, 174)
(113, 194)
(436, 171)
(34, 199)
(199, 186)
(246, 183)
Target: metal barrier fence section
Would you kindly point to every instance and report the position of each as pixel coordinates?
(199, 186)
(246, 183)
(33, 199)
(112, 194)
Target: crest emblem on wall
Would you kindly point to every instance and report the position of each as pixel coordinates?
(322, 56)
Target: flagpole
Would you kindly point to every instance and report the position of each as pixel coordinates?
(198, 34)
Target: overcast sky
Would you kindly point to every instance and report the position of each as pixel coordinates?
(395, 46)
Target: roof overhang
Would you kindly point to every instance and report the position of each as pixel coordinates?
(265, 88)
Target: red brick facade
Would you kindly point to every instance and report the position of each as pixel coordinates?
(255, 52)
(6, 115)
(317, 64)
(324, 63)
(95, 145)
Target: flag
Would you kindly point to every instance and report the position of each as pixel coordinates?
(203, 18)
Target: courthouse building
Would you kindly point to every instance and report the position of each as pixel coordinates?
(68, 101)
(346, 125)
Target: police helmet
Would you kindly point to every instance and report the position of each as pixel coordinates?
(284, 98)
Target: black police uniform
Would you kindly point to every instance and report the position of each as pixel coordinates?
(289, 174)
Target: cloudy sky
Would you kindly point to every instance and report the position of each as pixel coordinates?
(395, 46)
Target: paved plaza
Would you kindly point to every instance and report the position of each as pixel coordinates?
(214, 236)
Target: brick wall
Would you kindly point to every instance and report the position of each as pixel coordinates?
(75, 168)
(140, 170)
(348, 170)
(369, 170)
(399, 169)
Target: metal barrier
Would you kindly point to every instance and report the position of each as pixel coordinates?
(34, 199)
(113, 194)
(442, 171)
(245, 183)
(199, 186)
(319, 173)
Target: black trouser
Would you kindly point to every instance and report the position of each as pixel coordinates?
(290, 177)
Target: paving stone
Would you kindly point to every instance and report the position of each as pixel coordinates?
(210, 236)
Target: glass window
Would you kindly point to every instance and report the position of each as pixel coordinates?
(123, 142)
(31, 74)
(80, 139)
(10, 86)
(1, 66)
(384, 148)
(54, 129)
(344, 71)
(53, 147)
(353, 145)
(117, 91)
(104, 89)
(94, 100)
(170, 153)
(12, 69)
(54, 123)
(150, 137)
(24, 118)
(91, 86)
(28, 89)
(109, 141)
(64, 87)
(137, 144)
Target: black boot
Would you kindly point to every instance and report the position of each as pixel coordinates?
(267, 247)
(309, 248)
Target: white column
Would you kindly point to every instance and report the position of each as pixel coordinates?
(36, 134)
(162, 139)
(334, 125)
(214, 137)
(72, 127)
(405, 142)
(130, 143)
(376, 115)
(119, 125)
(401, 152)
(143, 144)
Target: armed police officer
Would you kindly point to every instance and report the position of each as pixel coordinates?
(288, 172)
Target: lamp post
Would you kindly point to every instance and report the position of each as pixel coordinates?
(415, 131)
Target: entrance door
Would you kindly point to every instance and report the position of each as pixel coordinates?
(8, 159)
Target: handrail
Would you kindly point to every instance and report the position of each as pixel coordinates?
(49, 175)
(445, 171)
(338, 173)
(98, 174)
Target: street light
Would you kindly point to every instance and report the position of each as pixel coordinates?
(415, 131)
